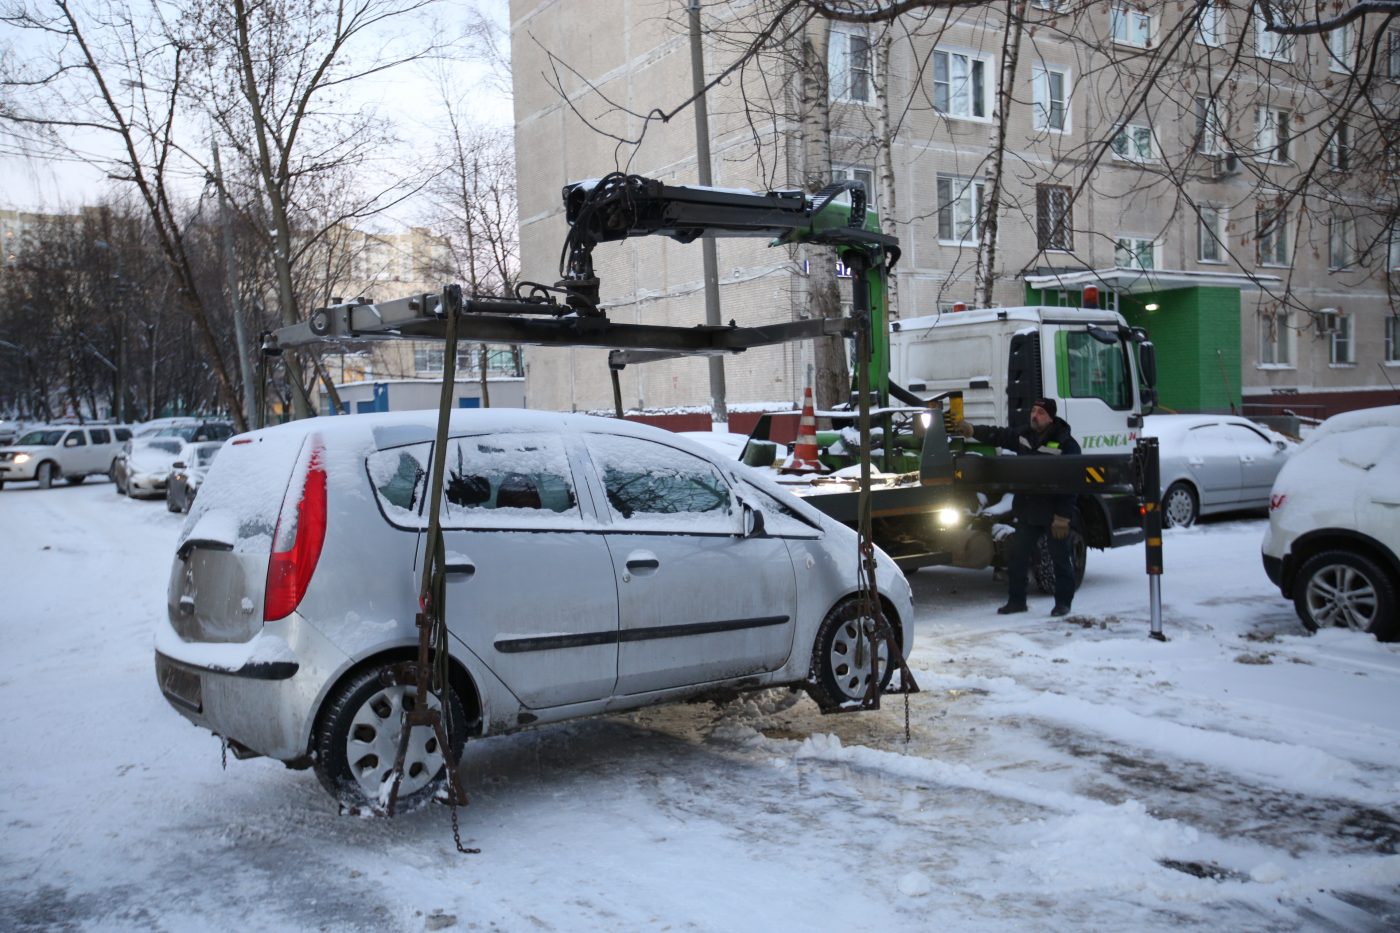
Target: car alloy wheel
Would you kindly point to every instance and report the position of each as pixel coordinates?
(1179, 509)
(841, 659)
(358, 741)
(1344, 588)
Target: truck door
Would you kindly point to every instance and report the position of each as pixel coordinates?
(698, 601)
(1095, 384)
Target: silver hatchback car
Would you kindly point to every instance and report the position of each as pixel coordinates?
(593, 565)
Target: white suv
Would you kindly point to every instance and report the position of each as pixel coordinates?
(74, 453)
(1334, 525)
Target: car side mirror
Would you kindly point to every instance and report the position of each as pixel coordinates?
(177, 465)
(753, 522)
(1281, 446)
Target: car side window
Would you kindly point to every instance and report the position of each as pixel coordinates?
(490, 478)
(1249, 440)
(75, 439)
(101, 436)
(122, 434)
(645, 481)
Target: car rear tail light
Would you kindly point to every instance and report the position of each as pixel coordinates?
(296, 544)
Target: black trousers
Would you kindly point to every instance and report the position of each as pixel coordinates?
(1018, 563)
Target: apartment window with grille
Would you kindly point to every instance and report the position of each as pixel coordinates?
(1130, 252)
(1392, 340)
(1210, 130)
(1341, 49)
(1343, 348)
(1272, 235)
(960, 209)
(1131, 27)
(1271, 140)
(960, 87)
(1210, 27)
(1341, 240)
(1271, 44)
(1054, 223)
(1050, 88)
(850, 75)
(1134, 143)
(1210, 234)
(1339, 148)
(1275, 340)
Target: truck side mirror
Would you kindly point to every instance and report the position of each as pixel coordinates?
(1147, 359)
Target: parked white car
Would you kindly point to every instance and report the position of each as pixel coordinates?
(1215, 463)
(73, 452)
(1333, 544)
(593, 565)
(143, 466)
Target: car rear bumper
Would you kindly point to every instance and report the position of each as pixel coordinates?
(1273, 566)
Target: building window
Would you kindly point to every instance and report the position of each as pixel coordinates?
(1210, 130)
(428, 359)
(849, 63)
(1210, 27)
(863, 175)
(1393, 248)
(1392, 339)
(1275, 340)
(1131, 252)
(1134, 142)
(1343, 350)
(1339, 148)
(960, 209)
(1271, 140)
(1210, 234)
(1340, 49)
(1131, 27)
(1392, 53)
(1054, 221)
(1272, 235)
(1341, 239)
(1050, 88)
(960, 84)
(1271, 44)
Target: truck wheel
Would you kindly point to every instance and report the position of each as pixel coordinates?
(357, 742)
(1043, 568)
(840, 661)
(45, 475)
(1345, 588)
(74, 480)
(1180, 509)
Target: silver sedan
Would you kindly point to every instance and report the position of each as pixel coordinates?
(1215, 463)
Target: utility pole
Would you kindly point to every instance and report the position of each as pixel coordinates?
(719, 413)
(245, 366)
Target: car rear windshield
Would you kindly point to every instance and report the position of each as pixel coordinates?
(245, 488)
(40, 438)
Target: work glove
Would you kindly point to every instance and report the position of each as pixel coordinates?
(964, 429)
(1060, 527)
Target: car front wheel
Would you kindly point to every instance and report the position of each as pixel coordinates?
(45, 475)
(841, 668)
(1179, 506)
(357, 742)
(1344, 588)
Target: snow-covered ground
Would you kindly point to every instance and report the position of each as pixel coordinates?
(1061, 774)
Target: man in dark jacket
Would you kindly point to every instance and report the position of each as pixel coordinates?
(1036, 515)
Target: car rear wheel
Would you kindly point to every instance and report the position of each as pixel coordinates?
(357, 741)
(45, 475)
(841, 658)
(170, 504)
(1180, 509)
(1345, 588)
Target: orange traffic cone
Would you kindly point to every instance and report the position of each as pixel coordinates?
(803, 458)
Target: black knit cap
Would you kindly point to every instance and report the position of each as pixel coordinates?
(1046, 403)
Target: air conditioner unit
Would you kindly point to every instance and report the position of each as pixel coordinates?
(1225, 165)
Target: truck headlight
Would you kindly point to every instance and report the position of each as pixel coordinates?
(949, 517)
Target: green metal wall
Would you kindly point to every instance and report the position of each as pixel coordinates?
(1197, 335)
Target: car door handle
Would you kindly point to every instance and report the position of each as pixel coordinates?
(643, 563)
(460, 569)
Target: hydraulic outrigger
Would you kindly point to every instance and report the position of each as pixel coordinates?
(570, 313)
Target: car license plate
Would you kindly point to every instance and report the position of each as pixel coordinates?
(183, 687)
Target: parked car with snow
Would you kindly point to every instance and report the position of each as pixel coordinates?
(197, 429)
(1333, 544)
(143, 466)
(9, 430)
(1214, 463)
(74, 452)
(188, 472)
(593, 565)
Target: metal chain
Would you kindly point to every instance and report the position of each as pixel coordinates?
(223, 753)
(906, 719)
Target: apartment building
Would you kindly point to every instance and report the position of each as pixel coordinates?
(1228, 188)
